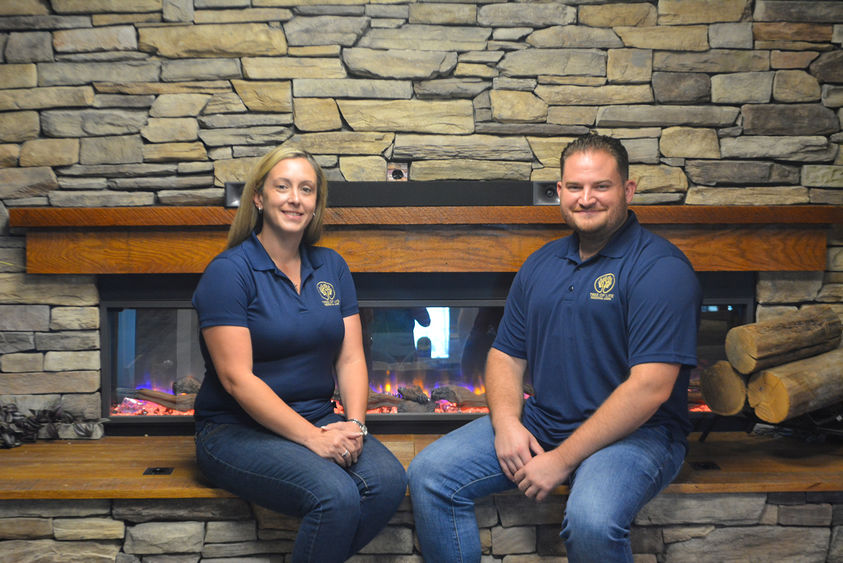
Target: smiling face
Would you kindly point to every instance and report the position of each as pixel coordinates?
(288, 196)
(593, 196)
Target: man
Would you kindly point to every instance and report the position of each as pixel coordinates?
(606, 321)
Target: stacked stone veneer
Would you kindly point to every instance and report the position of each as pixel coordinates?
(159, 102)
(791, 527)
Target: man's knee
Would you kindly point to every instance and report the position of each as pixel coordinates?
(422, 470)
(592, 526)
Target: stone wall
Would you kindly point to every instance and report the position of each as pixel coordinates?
(159, 102)
(782, 527)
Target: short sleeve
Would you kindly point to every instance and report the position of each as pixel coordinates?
(348, 293)
(223, 294)
(664, 310)
(511, 338)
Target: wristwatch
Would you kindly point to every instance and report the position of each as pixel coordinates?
(363, 429)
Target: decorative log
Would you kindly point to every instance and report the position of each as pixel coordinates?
(182, 402)
(723, 389)
(789, 390)
(808, 332)
(414, 393)
(378, 400)
(458, 395)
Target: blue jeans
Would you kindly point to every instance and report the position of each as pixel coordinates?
(341, 509)
(607, 491)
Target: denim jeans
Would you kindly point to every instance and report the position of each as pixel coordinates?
(341, 509)
(607, 491)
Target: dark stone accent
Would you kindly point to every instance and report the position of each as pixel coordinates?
(681, 87)
(789, 119)
(828, 67)
(548, 542)
(732, 172)
(786, 498)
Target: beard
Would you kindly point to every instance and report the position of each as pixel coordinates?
(600, 226)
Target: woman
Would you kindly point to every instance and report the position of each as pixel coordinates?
(278, 319)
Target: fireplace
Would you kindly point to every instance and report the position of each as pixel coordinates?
(426, 336)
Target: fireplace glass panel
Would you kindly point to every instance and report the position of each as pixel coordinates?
(155, 361)
(428, 359)
(426, 354)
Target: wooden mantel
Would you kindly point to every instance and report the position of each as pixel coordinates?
(176, 240)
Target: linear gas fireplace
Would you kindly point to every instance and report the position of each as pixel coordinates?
(426, 336)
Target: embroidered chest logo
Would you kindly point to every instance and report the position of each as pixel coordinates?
(603, 286)
(328, 294)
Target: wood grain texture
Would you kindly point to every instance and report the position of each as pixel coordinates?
(112, 467)
(785, 338)
(785, 391)
(206, 216)
(723, 389)
(442, 248)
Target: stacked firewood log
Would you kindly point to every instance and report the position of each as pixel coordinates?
(781, 368)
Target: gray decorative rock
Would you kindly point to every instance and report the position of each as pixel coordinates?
(325, 30)
(64, 551)
(804, 148)
(399, 63)
(466, 169)
(352, 88)
(449, 117)
(794, 544)
(17, 183)
(575, 36)
(480, 147)
(646, 116)
(61, 74)
(736, 172)
(715, 60)
(164, 537)
(533, 15)
(742, 88)
(450, 87)
(563, 62)
(427, 38)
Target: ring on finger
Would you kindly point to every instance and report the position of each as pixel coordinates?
(345, 453)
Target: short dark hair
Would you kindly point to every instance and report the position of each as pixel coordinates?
(595, 142)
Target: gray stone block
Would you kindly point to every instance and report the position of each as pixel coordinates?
(671, 509)
(164, 537)
(754, 543)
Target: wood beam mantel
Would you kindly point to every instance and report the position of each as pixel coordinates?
(170, 240)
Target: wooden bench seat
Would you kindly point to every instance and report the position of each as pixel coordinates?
(114, 467)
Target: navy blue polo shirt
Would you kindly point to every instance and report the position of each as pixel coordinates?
(295, 337)
(581, 326)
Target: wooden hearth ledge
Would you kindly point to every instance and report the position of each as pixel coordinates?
(177, 240)
(113, 467)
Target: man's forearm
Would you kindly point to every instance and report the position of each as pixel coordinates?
(504, 386)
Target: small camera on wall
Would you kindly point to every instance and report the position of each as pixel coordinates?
(397, 172)
(544, 193)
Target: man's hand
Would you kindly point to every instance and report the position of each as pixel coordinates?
(541, 474)
(515, 447)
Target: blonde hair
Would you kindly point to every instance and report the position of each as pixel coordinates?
(247, 219)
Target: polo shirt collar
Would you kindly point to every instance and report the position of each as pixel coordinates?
(615, 248)
(260, 260)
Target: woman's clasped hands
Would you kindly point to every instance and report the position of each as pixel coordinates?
(341, 442)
